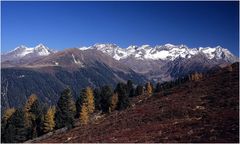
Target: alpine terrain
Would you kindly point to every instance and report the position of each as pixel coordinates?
(46, 72)
(200, 110)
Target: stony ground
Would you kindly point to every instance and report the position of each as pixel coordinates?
(202, 111)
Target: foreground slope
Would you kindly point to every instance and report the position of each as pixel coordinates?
(199, 111)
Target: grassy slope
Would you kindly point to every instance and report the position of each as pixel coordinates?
(203, 111)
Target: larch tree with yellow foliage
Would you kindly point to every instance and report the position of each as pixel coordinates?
(8, 113)
(49, 123)
(30, 117)
(85, 105)
(6, 116)
(90, 100)
(84, 114)
(149, 89)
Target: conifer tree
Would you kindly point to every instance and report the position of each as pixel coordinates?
(49, 123)
(31, 99)
(84, 114)
(123, 101)
(90, 100)
(97, 98)
(106, 93)
(114, 102)
(15, 130)
(65, 110)
(7, 115)
(148, 88)
(79, 102)
(132, 92)
(36, 118)
(33, 116)
(4, 121)
(139, 90)
(152, 87)
(158, 87)
(28, 117)
(129, 85)
(130, 89)
(86, 97)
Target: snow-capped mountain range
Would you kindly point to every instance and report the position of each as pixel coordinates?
(167, 52)
(26, 70)
(161, 52)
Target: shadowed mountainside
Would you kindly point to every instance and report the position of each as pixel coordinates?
(48, 76)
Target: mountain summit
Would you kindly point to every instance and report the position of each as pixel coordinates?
(162, 52)
(22, 52)
(167, 52)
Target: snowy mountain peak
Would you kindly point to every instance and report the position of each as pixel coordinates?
(169, 45)
(132, 47)
(167, 52)
(104, 46)
(42, 50)
(41, 46)
(30, 52)
(162, 52)
(21, 47)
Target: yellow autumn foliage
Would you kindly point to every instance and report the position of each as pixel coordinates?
(84, 117)
(90, 100)
(49, 123)
(8, 113)
(149, 89)
(114, 102)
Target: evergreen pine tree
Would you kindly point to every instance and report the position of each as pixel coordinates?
(65, 110)
(106, 93)
(158, 87)
(123, 101)
(139, 90)
(80, 101)
(97, 98)
(130, 89)
(129, 85)
(15, 130)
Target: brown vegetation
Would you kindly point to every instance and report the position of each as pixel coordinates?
(206, 110)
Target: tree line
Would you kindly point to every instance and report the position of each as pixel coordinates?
(35, 119)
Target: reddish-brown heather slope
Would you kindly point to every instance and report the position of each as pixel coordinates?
(202, 111)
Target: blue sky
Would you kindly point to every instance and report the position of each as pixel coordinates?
(60, 25)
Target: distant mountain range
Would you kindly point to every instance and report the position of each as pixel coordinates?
(46, 72)
(144, 52)
(162, 52)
